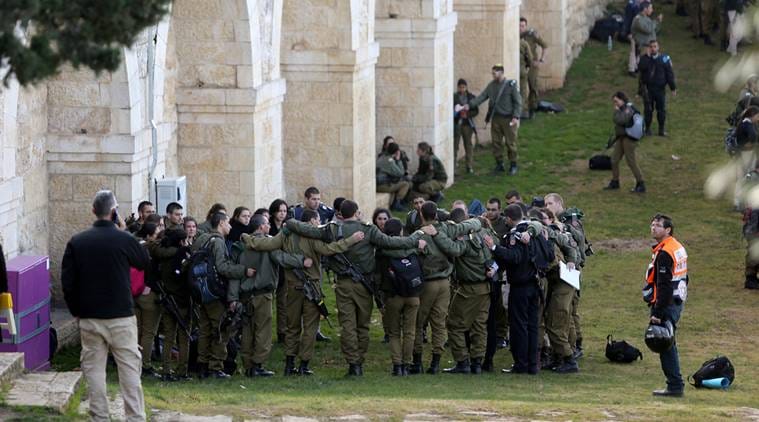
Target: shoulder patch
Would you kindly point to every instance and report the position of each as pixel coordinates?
(512, 82)
(666, 59)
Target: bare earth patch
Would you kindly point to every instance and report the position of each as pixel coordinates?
(622, 245)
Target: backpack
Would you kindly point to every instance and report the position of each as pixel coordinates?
(719, 367)
(406, 276)
(541, 253)
(621, 351)
(600, 162)
(635, 129)
(732, 146)
(205, 283)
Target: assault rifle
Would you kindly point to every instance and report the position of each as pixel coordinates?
(348, 269)
(313, 293)
(170, 304)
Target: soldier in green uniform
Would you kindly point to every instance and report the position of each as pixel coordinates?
(525, 63)
(710, 17)
(470, 300)
(414, 219)
(254, 296)
(463, 124)
(147, 309)
(302, 315)
(390, 177)
(504, 107)
(533, 40)
(212, 342)
(501, 228)
(430, 178)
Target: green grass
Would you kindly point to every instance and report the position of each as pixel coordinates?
(720, 317)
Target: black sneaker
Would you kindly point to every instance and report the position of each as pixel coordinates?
(640, 187)
(668, 393)
(613, 185)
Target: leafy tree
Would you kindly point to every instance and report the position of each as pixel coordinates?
(38, 36)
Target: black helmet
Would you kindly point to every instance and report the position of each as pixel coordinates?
(660, 337)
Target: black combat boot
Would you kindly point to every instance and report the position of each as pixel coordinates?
(513, 169)
(258, 371)
(613, 185)
(434, 368)
(289, 366)
(303, 369)
(202, 370)
(487, 364)
(462, 367)
(751, 282)
(397, 206)
(476, 367)
(406, 368)
(416, 365)
(397, 371)
(640, 187)
(568, 366)
(499, 167)
(552, 362)
(354, 370)
(578, 349)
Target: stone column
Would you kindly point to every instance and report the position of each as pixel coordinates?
(487, 33)
(11, 187)
(328, 59)
(229, 101)
(415, 76)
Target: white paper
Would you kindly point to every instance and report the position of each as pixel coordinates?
(571, 277)
(458, 107)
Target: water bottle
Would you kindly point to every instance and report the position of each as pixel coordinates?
(610, 43)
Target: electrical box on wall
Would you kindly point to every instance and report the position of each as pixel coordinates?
(170, 190)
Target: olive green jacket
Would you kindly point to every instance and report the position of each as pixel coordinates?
(577, 231)
(473, 254)
(509, 103)
(533, 41)
(389, 168)
(622, 117)
(267, 265)
(224, 264)
(204, 227)
(437, 262)
(430, 168)
(526, 57)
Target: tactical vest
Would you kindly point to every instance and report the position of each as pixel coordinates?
(679, 268)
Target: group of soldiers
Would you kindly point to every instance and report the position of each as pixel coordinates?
(470, 279)
(714, 20)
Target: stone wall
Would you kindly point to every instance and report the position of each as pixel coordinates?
(11, 186)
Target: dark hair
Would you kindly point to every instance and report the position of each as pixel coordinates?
(215, 209)
(379, 211)
(173, 237)
(143, 204)
(238, 211)
(429, 211)
(749, 112)
(154, 218)
(462, 81)
(513, 194)
(147, 229)
(653, 41)
(495, 200)
(666, 222)
(392, 148)
(257, 221)
(217, 218)
(308, 215)
(522, 19)
(386, 141)
(535, 213)
(275, 205)
(498, 68)
(173, 206)
(622, 96)
(457, 215)
(310, 191)
(393, 227)
(261, 211)
(348, 208)
(551, 216)
(337, 203)
(514, 212)
(644, 5)
(189, 219)
(425, 147)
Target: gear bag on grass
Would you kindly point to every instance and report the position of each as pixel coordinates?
(206, 284)
(719, 367)
(406, 276)
(621, 351)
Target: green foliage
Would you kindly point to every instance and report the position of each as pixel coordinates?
(38, 36)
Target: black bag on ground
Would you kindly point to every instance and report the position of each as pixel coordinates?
(621, 351)
(600, 162)
(607, 27)
(406, 276)
(549, 107)
(719, 367)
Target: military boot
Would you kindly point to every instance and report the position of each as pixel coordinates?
(462, 367)
(613, 185)
(202, 370)
(751, 282)
(397, 371)
(568, 366)
(551, 363)
(406, 369)
(303, 369)
(258, 371)
(354, 370)
(416, 365)
(289, 366)
(640, 187)
(499, 167)
(487, 364)
(476, 367)
(513, 169)
(578, 349)
(434, 368)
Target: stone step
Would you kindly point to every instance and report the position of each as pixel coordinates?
(66, 327)
(49, 390)
(11, 366)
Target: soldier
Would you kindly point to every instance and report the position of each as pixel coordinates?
(147, 309)
(430, 177)
(533, 40)
(174, 214)
(463, 124)
(212, 342)
(253, 297)
(710, 16)
(205, 226)
(497, 220)
(413, 217)
(313, 201)
(501, 227)
(470, 300)
(505, 108)
(525, 58)
(390, 177)
(644, 28)
(302, 314)
(751, 233)
(656, 73)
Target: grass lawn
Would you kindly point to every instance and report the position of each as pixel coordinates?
(719, 318)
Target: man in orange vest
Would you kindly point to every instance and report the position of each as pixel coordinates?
(666, 291)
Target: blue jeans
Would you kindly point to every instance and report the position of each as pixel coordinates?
(670, 360)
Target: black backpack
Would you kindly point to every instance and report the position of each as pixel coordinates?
(205, 283)
(621, 351)
(406, 276)
(600, 162)
(541, 253)
(719, 367)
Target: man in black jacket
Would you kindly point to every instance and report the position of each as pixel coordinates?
(655, 74)
(524, 294)
(97, 290)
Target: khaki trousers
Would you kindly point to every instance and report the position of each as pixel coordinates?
(256, 330)
(302, 321)
(502, 133)
(433, 310)
(575, 332)
(212, 345)
(174, 334)
(400, 320)
(626, 147)
(354, 311)
(463, 130)
(281, 307)
(469, 312)
(398, 190)
(430, 188)
(119, 335)
(532, 78)
(558, 314)
(148, 313)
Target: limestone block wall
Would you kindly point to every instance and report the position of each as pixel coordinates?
(565, 26)
(415, 75)
(328, 58)
(11, 186)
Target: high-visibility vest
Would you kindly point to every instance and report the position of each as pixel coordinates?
(676, 251)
